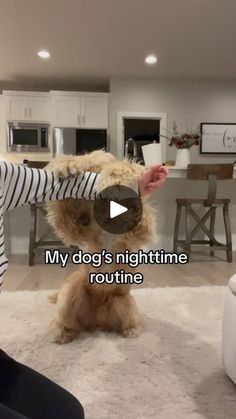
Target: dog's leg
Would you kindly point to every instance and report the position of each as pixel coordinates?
(65, 326)
(125, 313)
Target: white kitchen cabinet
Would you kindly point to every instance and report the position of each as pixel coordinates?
(80, 110)
(39, 108)
(20, 106)
(66, 111)
(63, 109)
(16, 108)
(94, 112)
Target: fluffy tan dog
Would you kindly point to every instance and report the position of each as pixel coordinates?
(80, 305)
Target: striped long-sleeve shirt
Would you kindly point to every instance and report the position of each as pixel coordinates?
(21, 185)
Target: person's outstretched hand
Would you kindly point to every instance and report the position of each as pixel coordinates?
(152, 179)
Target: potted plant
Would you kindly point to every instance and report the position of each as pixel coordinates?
(183, 142)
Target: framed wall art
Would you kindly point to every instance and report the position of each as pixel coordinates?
(218, 138)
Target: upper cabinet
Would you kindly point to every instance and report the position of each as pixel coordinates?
(66, 111)
(94, 112)
(80, 110)
(40, 108)
(62, 109)
(27, 106)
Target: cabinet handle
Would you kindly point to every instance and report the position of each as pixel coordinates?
(26, 112)
(78, 118)
(30, 112)
(84, 119)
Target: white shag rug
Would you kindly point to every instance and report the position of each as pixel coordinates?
(173, 370)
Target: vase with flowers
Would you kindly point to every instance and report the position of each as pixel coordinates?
(183, 142)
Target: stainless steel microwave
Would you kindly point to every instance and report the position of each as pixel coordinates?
(28, 137)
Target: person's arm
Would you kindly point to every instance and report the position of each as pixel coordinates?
(22, 185)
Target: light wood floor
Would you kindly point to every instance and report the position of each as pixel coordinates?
(203, 270)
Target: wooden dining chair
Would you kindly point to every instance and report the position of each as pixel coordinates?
(212, 173)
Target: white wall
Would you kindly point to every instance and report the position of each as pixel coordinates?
(188, 102)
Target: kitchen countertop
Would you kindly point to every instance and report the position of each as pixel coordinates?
(174, 171)
(180, 172)
(18, 158)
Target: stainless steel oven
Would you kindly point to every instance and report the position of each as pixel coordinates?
(28, 137)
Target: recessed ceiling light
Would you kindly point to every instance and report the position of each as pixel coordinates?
(43, 54)
(151, 59)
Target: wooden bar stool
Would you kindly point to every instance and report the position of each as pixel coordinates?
(38, 241)
(212, 173)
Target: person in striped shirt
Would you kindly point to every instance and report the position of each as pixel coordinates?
(24, 393)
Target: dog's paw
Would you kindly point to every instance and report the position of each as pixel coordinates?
(62, 338)
(131, 333)
(68, 169)
(66, 166)
(61, 335)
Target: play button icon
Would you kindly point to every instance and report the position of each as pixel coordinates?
(118, 209)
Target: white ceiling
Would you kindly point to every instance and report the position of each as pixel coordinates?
(92, 40)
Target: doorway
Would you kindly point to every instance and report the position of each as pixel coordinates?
(144, 128)
(143, 131)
